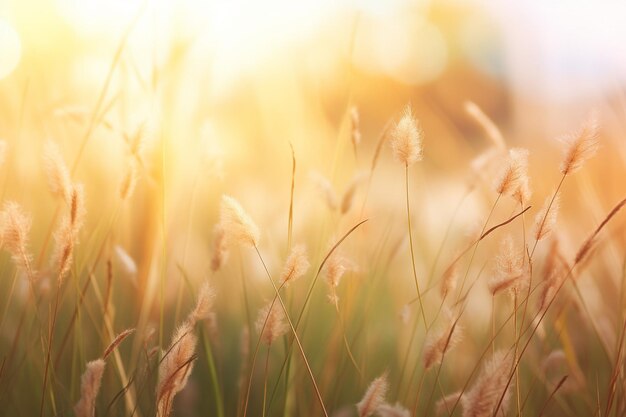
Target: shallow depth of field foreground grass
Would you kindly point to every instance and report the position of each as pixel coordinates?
(278, 209)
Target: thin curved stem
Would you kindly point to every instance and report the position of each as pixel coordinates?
(408, 215)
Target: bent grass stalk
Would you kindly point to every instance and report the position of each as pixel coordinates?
(256, 351)
(307, 299)
(579, 256)
(294, 332)
(430, 277)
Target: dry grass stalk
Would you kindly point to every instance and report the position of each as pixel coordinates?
(406, 139)
(244, 354)
(270, 323)
(374, 396)
(296, 266)
(126, 261)
(14, 230)
(348, 195)
(57, 173)
(220, 249)
(580, 146)
(491, 129)
(586, 247)
(129, 181)
(355, 133)
(89, 387)
(3, 151)
(546, 218)
(483, 398)
(116, 342)
(237, 224)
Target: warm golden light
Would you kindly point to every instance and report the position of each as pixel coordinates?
(11, 49)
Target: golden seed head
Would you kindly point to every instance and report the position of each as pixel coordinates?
(89, 387)
(513, 180)
(297, 265)
(406, 139)
(270, 323)
(237, 224)
(374, 396)
(580, 146)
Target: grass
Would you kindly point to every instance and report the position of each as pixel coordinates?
(406, 303)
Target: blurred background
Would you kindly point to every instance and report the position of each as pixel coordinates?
(217, 90)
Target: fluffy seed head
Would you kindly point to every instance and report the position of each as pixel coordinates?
(335, 268)
(58, 175)
(549, 287)
(175, 368)
(66, 236)
(89, 387)
(441, 342)
(64, 249)
(296, 265)
(14, 229)
(204, 305)
(483, 398)
(325, 188)
(546, 218)
(406, 139)
(374, 396)
(449, 280)
(444, 405)
(270, 323)
(388, 410)
(513, 180)
(580, 146)
(237, 224)
(555, 366)
(509, 271)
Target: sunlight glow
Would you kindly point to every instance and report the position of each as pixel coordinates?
(11, 49)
